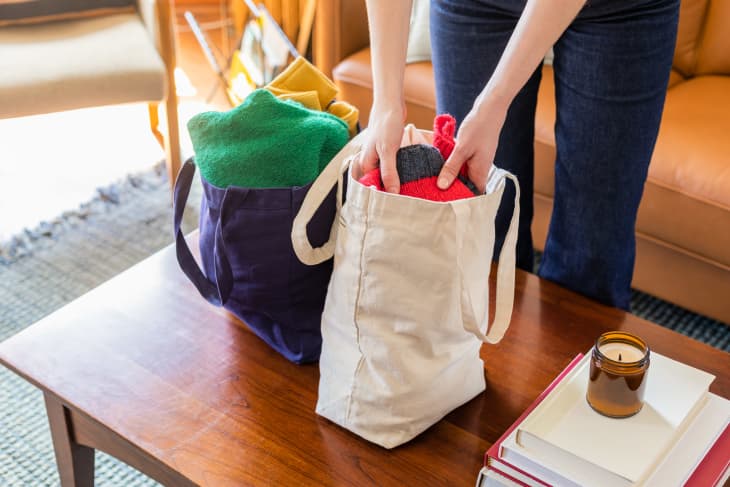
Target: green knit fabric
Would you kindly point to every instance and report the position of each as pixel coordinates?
(265, 143)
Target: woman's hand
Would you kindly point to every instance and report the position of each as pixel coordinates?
(476, 144)
(385, 131)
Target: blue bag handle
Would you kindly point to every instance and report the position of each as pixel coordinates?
(218, 292)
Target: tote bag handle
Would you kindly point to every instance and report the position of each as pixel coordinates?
(331, 175)
(505, 292)
(211, 291)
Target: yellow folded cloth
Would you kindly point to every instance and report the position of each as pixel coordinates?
(309, 99)
(347, 112)
(304, 83)
(301, 76)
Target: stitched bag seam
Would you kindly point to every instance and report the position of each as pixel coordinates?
(355, 320)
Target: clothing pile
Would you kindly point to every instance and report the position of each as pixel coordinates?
(280, 136)
(419, 165)
(306, 84)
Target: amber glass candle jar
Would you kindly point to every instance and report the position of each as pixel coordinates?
(619, 369)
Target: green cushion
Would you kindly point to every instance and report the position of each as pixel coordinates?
(265, 143)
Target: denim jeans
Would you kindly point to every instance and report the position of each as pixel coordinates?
(611, 71)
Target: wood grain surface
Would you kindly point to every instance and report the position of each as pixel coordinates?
(149, 371)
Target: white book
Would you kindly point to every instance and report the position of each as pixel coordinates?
(565, 435)
(673, 470)
(490, 478)
(694, 444)
(530, 462)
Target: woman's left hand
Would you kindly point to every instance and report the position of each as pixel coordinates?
(476, 144)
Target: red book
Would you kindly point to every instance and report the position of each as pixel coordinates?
(712, 468)
(493, 451)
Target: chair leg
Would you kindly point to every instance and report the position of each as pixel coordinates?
(172, 141)
(166, 17)
(153, 109)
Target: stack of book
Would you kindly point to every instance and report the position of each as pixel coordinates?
(681, 436)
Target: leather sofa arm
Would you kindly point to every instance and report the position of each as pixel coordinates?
(340, 29)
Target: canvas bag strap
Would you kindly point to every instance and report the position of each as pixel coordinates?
(208, 289)
(331, 175)
(505, 277)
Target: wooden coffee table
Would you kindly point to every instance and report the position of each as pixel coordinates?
(147, 371)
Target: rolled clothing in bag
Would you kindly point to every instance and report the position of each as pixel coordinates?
(407, 306)
(248, 264)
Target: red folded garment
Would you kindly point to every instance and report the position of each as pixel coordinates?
(422, 188)
(373, 179)
(426, 188)
(418, 168)
(444, 128)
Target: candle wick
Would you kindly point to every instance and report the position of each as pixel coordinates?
(619, 357)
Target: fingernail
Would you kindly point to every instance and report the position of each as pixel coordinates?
(392, 189)
(442, 183)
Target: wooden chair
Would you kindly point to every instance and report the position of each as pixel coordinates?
(105, 60)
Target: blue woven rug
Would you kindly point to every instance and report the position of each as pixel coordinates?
(43, 269)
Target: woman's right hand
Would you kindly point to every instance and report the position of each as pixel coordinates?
(385, 131)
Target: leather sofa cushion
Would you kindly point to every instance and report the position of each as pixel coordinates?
(702, 38)
(691, 169)
(691, 20)
(693, 150)
(714, 55)
(687, 194)
(355, 82)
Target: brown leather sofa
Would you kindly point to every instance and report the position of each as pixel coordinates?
(683, 228)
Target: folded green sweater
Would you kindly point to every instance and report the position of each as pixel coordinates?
(265, 143)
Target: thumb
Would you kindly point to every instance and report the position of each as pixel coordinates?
(451, 169)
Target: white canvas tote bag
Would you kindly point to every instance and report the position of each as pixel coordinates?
(407, 305)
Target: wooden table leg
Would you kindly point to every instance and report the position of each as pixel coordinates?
(75, 462)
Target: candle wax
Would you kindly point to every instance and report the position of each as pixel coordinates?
(628, 352)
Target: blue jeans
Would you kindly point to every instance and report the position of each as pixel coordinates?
(611, 72)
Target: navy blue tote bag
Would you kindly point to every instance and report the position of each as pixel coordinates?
(249, 265)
